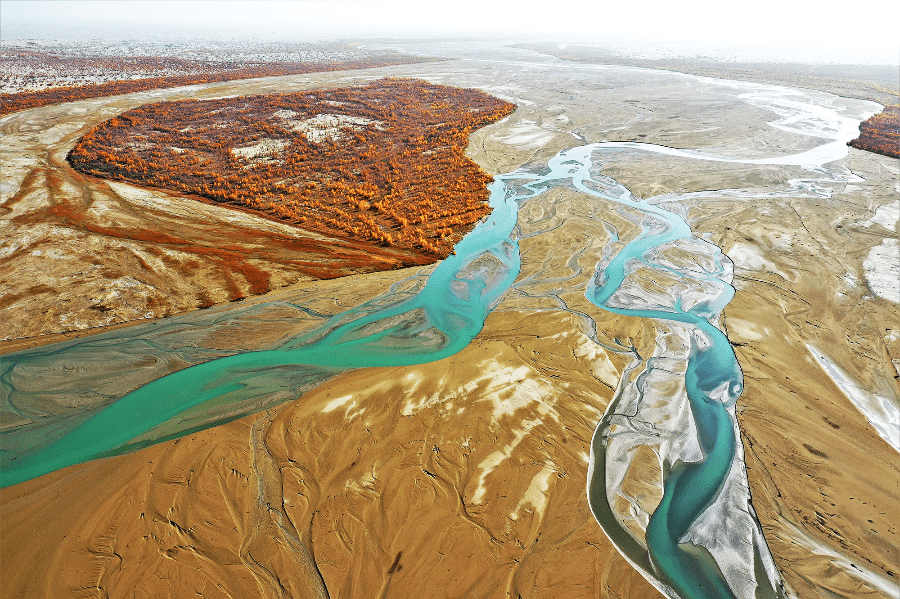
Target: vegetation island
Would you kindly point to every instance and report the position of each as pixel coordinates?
(382, 163)
(881, 133)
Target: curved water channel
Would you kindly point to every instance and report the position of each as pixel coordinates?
(447, 313)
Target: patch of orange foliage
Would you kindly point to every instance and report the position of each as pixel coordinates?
(382, 162)
(881, 133)
(23, 100)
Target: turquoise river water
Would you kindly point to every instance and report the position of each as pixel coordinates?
(440, 320)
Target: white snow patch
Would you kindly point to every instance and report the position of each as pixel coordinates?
(336, 403)
(495, 458)
(329, 126)
(261, 148)
(852, 568)
(745, 329)
(536, 494)
(748, 257)
(526, 135)
(882, 413)
(882, 270)
(886, 216)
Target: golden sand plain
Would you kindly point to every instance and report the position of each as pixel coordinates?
(466, 477)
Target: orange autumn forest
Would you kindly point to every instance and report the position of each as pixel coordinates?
(881, 133)
(382, 162)
(192, 72)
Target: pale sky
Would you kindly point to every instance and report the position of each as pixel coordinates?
(867, 27)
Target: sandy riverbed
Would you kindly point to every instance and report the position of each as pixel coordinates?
(466, 477)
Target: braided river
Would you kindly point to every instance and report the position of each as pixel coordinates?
(444, 313)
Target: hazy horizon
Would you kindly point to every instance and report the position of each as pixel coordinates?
(772, 32)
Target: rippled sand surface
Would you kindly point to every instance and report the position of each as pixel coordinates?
(466, 477)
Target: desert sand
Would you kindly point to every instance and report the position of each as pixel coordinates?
(464, 477)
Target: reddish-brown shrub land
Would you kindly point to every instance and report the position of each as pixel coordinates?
(203, 73)
(881, 133)
(382, 162)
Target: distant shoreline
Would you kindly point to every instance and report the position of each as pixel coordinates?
(15, 102)
(877, 83)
